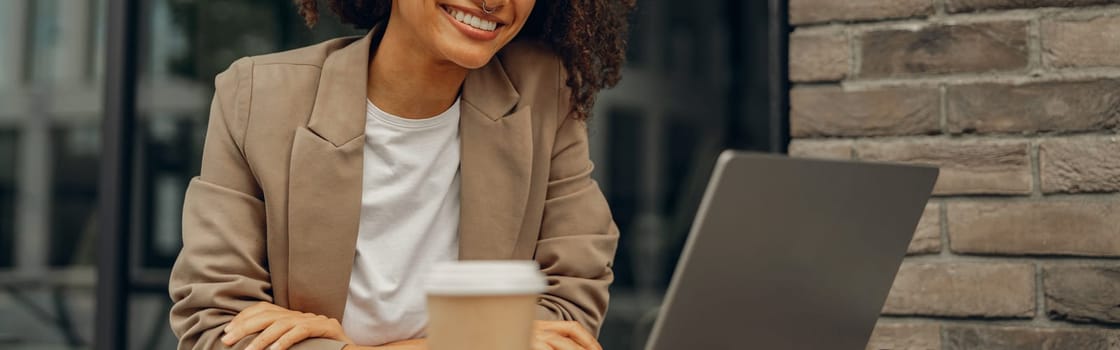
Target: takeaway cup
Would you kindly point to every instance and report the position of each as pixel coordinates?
(482, 305)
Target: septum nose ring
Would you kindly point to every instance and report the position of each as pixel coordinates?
(486, 9)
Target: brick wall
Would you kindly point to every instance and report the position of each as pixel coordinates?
(1018, 102)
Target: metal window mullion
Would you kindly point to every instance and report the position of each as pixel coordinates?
(33, 174)
(114, 191)
(14, 25)
(33, 201)
(778, 80)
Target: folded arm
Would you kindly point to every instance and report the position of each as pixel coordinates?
(578, 236)
(223, 267)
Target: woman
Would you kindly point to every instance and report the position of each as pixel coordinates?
(335, 174)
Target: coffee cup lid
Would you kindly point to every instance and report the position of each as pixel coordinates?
(505, 277)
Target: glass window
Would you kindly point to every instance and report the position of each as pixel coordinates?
(655, 139)
(147, 322)
(8, 143)
(185, 44)
(49, 153)
(74, 167)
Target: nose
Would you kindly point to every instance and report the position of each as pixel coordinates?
(490, 6)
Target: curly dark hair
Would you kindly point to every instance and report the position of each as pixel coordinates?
(588, 35)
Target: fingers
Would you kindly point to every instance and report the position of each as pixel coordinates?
(557, 342)
(294, 335)
(270, 335)
(280, 328)
(242, 326)
(258, 308)
(573, 331)
(309, 326)
(581, 336)
(236, 328)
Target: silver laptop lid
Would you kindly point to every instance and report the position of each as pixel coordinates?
(791, 254)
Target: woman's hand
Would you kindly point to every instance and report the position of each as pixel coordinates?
(280, 328)
(562, 335)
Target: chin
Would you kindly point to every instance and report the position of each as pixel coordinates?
(473, 63)
(470, 58)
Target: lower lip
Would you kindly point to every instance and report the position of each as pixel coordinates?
(472, 32)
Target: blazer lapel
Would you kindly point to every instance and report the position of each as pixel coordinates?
(325, 184)
(496, 147)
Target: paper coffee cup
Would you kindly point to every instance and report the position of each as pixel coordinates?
(482, 304)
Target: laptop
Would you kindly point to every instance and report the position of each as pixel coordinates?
(791, 254)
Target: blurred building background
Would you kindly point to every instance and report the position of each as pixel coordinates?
(700, 78)
(1018, 102)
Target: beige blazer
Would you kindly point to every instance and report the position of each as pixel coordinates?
(273, 215)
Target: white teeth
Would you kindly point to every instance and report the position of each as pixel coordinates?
(472, 21)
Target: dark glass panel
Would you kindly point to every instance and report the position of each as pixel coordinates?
(8, 142)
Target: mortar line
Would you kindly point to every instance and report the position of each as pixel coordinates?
(1087, 197)
(1021, 14)
(1011, 77)
(856, 55)
(1036, 169)
(995, 322)
(1035, 63)
(943, 218)
(963, 136)
(1050, 260)
(944, 107)
(1039, 302)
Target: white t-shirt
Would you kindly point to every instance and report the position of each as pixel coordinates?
(409, 221)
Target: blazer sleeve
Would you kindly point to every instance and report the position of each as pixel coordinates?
(578, 236)
(222, 268)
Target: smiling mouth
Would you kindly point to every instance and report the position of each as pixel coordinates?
(471, 20)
